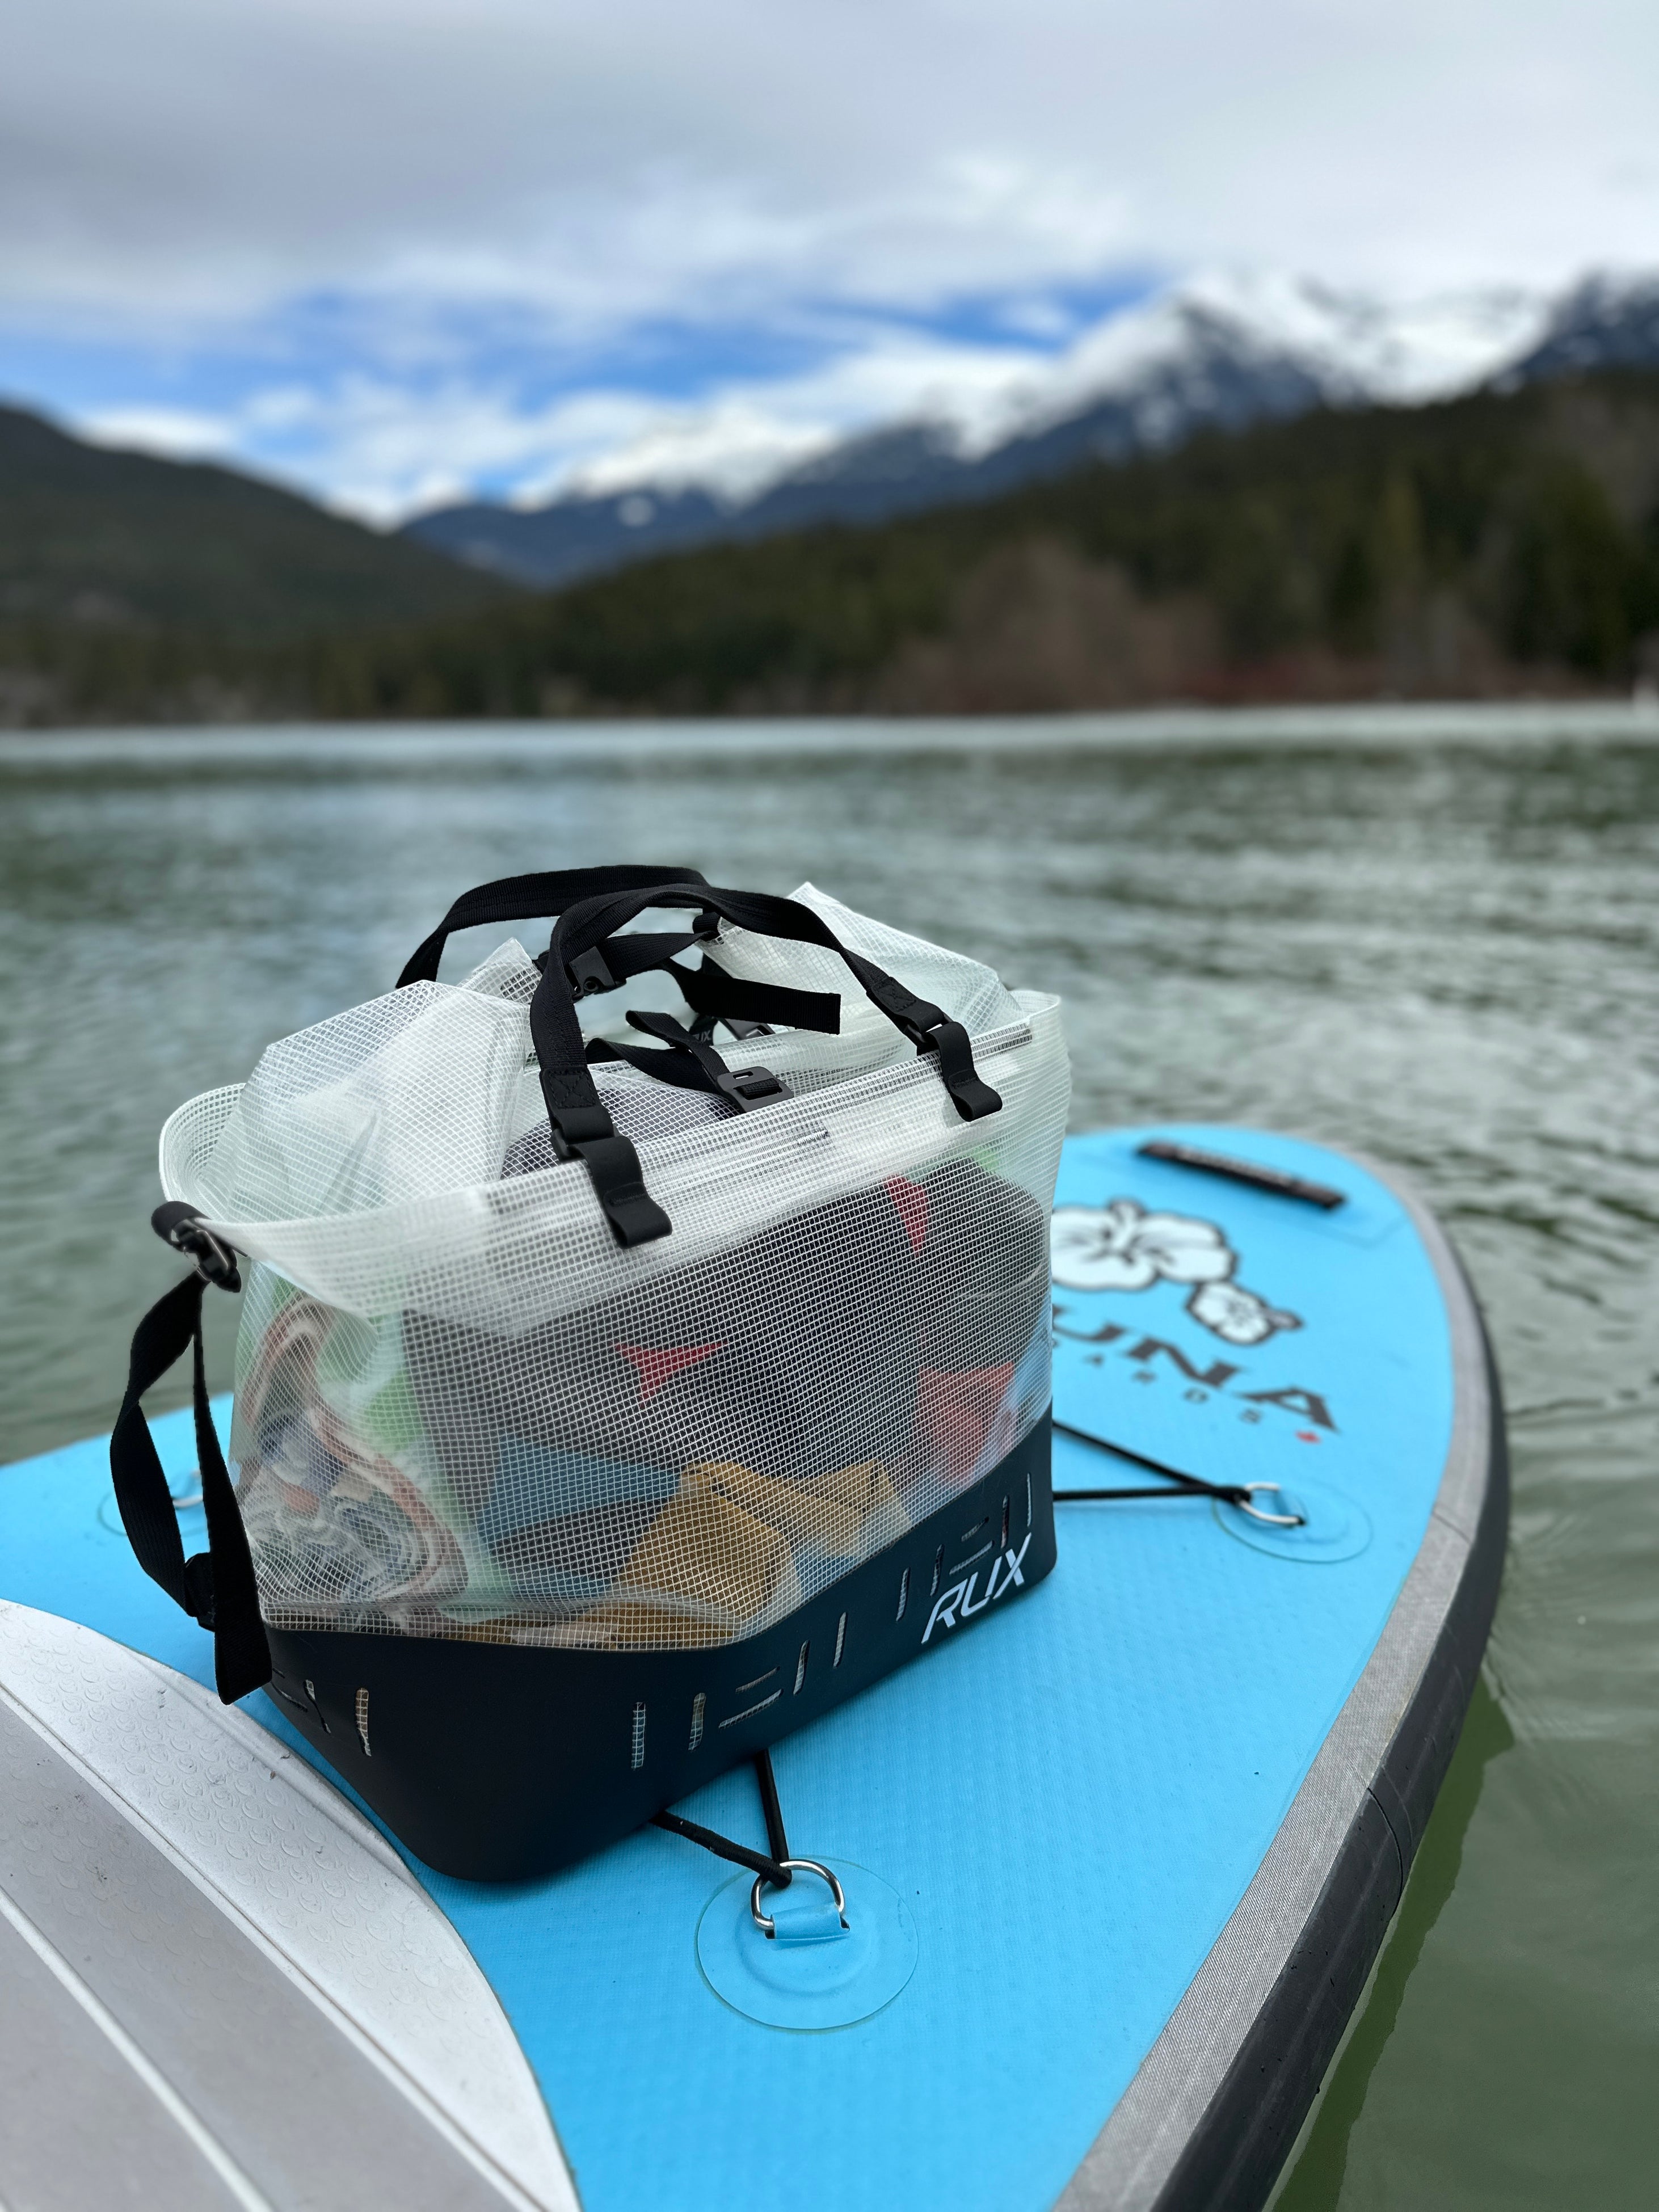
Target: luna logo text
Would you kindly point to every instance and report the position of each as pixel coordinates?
(1150, 1355)
(959, 1603)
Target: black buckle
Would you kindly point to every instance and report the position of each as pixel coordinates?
(589, 973)
(749, 1087)
(183, 1228)
(574, 1126)
(705, 1025)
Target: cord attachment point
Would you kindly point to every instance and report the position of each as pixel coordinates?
(1246, 1504)
(764, 1921)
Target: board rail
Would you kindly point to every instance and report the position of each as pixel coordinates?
(1213, 2111)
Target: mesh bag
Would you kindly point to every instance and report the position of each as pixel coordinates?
(593, 1352)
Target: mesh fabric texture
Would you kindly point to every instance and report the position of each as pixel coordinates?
(462, 1410)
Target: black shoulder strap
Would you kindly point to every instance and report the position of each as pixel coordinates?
(216, 1587)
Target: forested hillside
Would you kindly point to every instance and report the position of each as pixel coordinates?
(1487, 546)
(120, 573)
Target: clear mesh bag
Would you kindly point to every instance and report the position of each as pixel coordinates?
(472, 1402)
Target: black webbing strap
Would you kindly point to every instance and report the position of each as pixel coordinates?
(589, 923)
(712, 989)
(580, 1126)
(690, 1063)
(739, 1854)
(532, 898)
(215, 1587)
(678, 1068)
(1187, 1485)
(581, 1129)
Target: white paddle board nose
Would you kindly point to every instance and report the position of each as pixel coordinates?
(276, 2012)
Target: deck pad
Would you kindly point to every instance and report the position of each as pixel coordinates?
(1071, 1804)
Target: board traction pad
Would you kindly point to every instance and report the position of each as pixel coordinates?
(1151, 1826)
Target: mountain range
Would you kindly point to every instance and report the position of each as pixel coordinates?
(1496, 543)
(1212, 353)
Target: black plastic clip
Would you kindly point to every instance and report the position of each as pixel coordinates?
(749, 1087)
(705, 1025)
(573, 1126)
(589, 973)
(932, 1031)
(182, 1227)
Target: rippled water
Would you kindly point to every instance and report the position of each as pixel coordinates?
(1433, 936)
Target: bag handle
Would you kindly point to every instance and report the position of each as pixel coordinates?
(579, 1123)
(532, 898)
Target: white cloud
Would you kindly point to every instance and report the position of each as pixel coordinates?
(179, 434)
(604, 164)
(384, 448)
(392, 227)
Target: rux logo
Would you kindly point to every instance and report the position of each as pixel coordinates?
(958, 1602)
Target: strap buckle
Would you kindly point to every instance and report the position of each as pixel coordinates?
(590, 973)
(931, 1030)
(182, 1227)
(574, 1126)
(749, 1087)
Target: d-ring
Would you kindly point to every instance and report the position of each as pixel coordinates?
(770, 1927)
(1272, 1520)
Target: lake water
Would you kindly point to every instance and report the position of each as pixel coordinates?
(1431, 935)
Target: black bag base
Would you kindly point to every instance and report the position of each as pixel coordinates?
(500, 1762)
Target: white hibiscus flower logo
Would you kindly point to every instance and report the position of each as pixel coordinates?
(1122, 1246)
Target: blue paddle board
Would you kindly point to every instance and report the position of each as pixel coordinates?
(1116, 1868)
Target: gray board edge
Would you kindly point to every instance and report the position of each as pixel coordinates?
(1216, 2104)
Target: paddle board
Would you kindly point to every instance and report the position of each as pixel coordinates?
(1116, 1868)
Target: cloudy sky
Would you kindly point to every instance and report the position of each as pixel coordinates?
(388, 249)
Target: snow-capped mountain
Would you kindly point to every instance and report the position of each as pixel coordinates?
(1214, 351)
(1605, 322)
(1184, 355)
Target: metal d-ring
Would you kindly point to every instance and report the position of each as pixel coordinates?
(1272, 1520)
(768, 1926)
